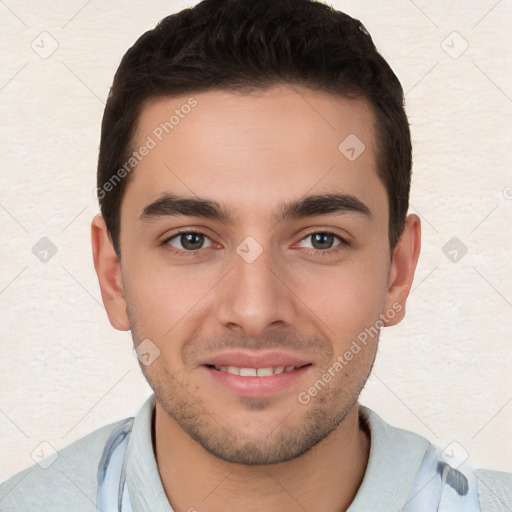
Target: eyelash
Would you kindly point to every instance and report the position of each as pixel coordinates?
(178, 252)
(342, 245)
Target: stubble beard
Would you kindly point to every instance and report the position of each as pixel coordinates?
(286, 441)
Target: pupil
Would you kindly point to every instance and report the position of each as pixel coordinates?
(195, 240)
(324, 241)
(192, 240)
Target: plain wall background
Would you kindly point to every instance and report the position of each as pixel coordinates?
(445, 372)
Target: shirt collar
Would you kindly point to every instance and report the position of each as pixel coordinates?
(394, 460)
(144, 483)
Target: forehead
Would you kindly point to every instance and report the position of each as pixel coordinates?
(255, 150)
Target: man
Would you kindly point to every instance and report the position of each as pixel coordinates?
(253, 179)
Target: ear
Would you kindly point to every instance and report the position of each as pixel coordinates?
(108, 269)
(403, 265)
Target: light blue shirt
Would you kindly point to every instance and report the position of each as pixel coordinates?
(404, 473)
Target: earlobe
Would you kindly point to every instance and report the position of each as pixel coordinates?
(403, 266)
(108, 270)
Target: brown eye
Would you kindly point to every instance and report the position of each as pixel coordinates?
(323, 241)
(189, 241)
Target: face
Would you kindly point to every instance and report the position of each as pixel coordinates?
(254, 254)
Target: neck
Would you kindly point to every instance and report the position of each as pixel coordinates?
(325, 478)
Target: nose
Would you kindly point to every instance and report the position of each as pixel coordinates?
(256, 296)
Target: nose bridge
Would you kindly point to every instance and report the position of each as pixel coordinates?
(254, 296)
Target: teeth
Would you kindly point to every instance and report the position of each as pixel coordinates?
(265, 372)
(234, 370)
(254, 372)
(248, 372)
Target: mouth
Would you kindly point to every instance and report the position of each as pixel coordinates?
(255, 374)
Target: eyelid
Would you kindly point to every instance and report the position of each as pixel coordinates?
(328, 231)
(343, 241)
(184, 231)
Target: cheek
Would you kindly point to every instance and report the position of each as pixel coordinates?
(163, 299)
(348, 298)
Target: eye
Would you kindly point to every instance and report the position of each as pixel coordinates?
(322, 241)
(188, 241)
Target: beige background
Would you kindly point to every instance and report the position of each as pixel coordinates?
(445, 372)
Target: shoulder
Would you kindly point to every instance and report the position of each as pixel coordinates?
(66, 480)
(434, 477)
(494, 490)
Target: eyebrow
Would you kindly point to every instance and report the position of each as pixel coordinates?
(326, 204)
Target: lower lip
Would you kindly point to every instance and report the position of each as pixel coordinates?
(256, 386)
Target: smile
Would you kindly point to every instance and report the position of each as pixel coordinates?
(258, 380)
(254, 372)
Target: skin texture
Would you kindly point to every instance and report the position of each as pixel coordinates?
(217, 450)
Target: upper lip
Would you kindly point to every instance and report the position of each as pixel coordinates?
(254, 359)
